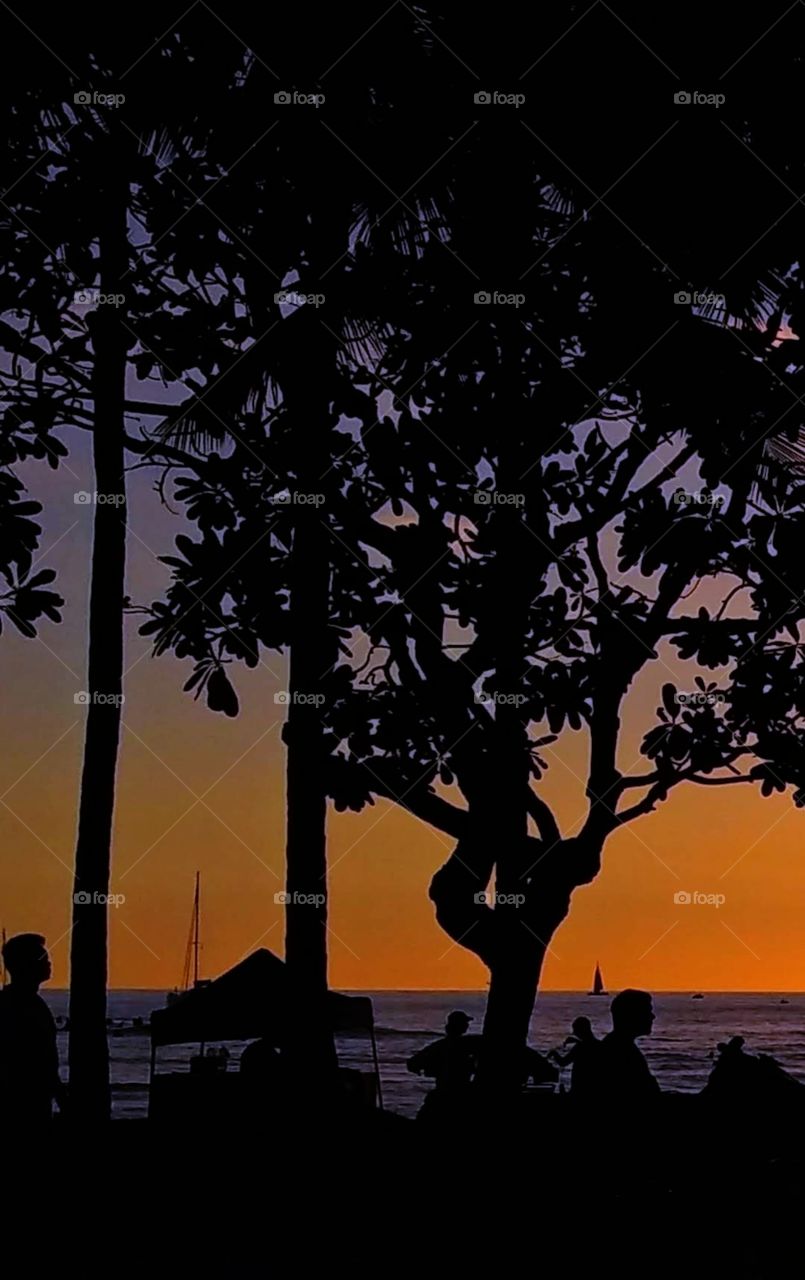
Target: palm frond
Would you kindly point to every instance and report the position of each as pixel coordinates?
(787, 453)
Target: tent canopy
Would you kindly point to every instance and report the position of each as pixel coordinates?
(246, 1003)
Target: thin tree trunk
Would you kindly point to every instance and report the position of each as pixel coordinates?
(311, 1045)
(518, 954)
(88, 1047)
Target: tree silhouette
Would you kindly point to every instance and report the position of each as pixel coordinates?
(279, 210)
(93, 173)
(500, 553)
(553, 594)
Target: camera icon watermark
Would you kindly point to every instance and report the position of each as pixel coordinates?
(94, 298)
(293, 298)
(287, 698)
(700, 698)
(684, 899)
(494, 699)
(496, 98)
(292, 98)
(494, 498)
(483, 298)
(698, 498)
(87, 98)
(687, 298)
(489, 899)
(295, 899)
(84, 899)
(683, 98)
(84, 699)
(83, 498)
(293, 498)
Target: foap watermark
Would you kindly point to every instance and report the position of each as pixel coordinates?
(293, 298)
(94, 298)
(689, 298)
(695, 97)
(497, 98)
(494, 498)
(698, 498)
(293, 98)
(501, 699)
(287, 697)
(92, 98)
(299, 899)
(293, 498)
(483, 298)
(83, 498)
(84, 899)
(489, 899)
(84, 699)
(695, 899)
(701, 698)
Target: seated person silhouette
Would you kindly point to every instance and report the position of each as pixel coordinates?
(451, 1061)
(261, 1063)
(29, 1059)
(582, 1051)
(621, 1073)
(263, 1072)
(746, 1077)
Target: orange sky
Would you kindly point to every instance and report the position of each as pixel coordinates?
(727, 841)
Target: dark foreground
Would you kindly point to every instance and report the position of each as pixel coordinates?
(683, 1188)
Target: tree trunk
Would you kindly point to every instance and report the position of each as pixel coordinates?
(88, 1047)
(310, 1045)
(512, 992)
(510, 939)
(515, 972)
(517, 953)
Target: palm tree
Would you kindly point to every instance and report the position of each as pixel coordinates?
(107, 174)
(278, 210)
(88, 1048)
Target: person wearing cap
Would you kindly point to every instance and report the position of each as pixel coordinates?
(451, 1061)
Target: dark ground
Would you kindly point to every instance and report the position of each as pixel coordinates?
(681, 1189)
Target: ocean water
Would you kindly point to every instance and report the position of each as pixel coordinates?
(685, 1035)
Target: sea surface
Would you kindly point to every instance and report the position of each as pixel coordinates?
(686, 1032)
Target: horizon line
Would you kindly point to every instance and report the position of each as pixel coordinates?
(570, 991)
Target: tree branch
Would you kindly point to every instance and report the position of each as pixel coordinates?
(423, 804)
(543, 816)
(659, 791)
(716, 782)
(645, 781)
(648, 804)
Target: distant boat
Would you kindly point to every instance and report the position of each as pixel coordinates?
(598, 983)
(785, 1002)
(697, 996)
(192, 950)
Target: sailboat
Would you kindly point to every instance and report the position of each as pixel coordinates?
(191, 951)
(598, 983)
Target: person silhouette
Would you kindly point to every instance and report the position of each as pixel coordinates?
(261, 1062)
(29, 1059)
(582, 1048)
(621, 1073)
(748, 1077)
(451, 1061)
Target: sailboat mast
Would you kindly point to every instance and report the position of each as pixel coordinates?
(196, 928)
(3, 961)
